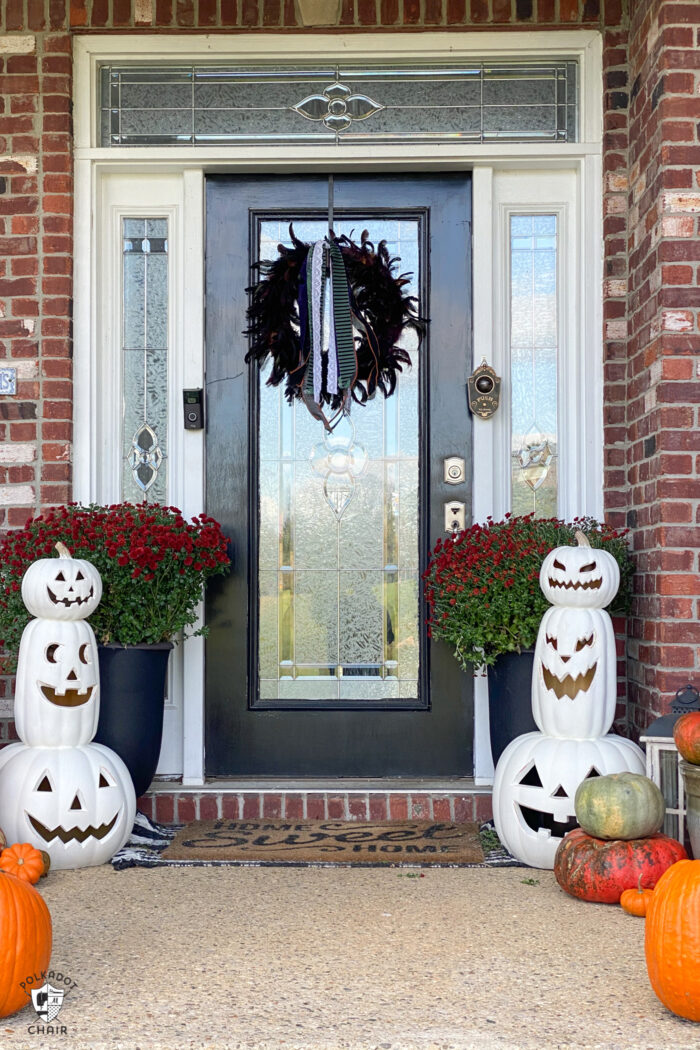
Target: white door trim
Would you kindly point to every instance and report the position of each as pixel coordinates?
(96, 168)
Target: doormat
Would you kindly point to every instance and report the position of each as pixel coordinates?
(282, 842)
(154, 845)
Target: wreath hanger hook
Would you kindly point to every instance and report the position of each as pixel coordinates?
(331, 193)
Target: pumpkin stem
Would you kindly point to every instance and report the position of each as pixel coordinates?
(63, 551)
(582, 539)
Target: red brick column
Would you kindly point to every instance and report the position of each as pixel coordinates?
(36, 204)
(664, 341)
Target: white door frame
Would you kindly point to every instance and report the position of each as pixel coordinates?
(105, 187)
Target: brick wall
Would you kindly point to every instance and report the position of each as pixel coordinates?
(663, 439)
(651, 197)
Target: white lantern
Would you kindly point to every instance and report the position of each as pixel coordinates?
(574, 674)
(535, 785)
(62, 588)
(77, 803)
(582, 576)
(57, 696)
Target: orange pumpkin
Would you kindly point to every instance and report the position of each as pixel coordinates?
(686, 736)
(25, 940)
(23, 861)
(672, 939)
(635, 902)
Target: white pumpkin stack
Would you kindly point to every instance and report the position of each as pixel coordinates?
(59, 791)
(574, 690)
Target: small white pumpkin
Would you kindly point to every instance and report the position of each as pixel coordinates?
(535, 787)
(574, 674)
(62, 588)
(77, 803)
(580, 576)
(58, 686)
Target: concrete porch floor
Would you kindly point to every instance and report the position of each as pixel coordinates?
(324, 959)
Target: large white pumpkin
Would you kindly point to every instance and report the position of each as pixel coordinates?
(77, 803)
(63, 588)
(574, 674)
(581, 576)
(535, 786)
(58, 684)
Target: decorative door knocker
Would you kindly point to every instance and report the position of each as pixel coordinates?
(484, 390)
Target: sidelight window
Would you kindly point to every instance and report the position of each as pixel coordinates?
(533, 360)
(144, 358)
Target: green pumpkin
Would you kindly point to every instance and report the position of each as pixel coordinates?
(619, 806)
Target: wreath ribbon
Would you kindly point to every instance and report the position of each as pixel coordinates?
(327, 319)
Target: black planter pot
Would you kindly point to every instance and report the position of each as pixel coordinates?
(132, 694)
(510, 699)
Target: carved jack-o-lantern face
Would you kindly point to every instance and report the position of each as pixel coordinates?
(535, 786)
(57, 695)
(61, 588)
(580, 577)
(78, 803)
(574, 673)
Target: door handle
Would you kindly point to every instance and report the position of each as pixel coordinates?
(455, 516)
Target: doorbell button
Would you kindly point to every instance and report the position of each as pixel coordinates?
(193, 402)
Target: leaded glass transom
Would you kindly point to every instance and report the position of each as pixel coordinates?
(204, 105)
(144, 358)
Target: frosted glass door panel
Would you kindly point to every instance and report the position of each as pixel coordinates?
(338, 526)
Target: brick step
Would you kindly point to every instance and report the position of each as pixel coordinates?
(173, 804)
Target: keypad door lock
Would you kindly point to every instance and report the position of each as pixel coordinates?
(455, 470)
(455, 516)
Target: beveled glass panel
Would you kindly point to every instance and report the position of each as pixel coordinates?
(534, 352)
(339, 522)
(210, 104)
(144, 330)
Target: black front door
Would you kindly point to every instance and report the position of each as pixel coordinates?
(318, 661)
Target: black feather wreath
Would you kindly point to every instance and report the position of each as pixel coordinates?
(381, 313)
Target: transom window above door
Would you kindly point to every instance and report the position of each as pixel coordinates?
(205, 105)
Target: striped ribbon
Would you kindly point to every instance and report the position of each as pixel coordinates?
(328, 330)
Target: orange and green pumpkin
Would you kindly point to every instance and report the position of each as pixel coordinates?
(601, 870)
(25, 940)
(686, 735)
(672, 939)
(619, 806)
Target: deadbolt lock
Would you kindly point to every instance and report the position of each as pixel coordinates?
(455, 516)
(455, 470)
